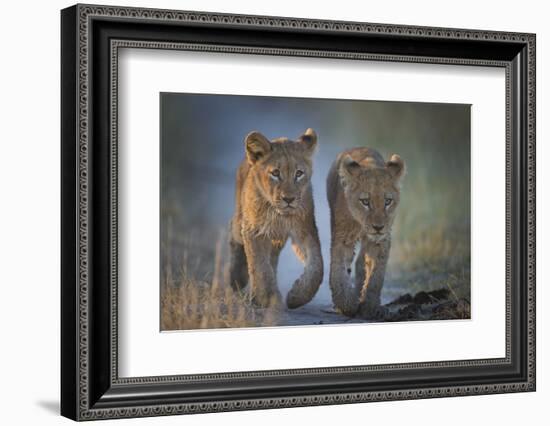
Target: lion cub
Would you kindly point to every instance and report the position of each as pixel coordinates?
(274, 202)
(363, 195)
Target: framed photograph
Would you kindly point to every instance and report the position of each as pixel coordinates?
(263, 212)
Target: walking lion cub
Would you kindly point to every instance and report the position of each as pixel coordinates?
(363, 194)
(274, 202)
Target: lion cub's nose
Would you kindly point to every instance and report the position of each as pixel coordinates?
(288, 200)
(378, 228)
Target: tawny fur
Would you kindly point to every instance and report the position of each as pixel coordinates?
(357, 177)
(263, 220)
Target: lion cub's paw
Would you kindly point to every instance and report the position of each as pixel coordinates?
(346, 302)
(372, 312)
(268, 300)
(298, 295)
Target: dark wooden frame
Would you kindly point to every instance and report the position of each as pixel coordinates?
(90, 38)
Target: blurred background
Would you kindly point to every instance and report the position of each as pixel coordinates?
(202, 145)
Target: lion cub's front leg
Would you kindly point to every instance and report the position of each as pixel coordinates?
(307, 247)
(263, 282)
(344, 295)
(370, 271)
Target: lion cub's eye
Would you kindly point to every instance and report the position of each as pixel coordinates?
(299, 174)
(365, 202)
(388, 202)
(276, 173)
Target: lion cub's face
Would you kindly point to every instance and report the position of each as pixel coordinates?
(372, 194)
(281, 169)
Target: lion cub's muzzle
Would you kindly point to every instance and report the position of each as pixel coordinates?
(287, 204)
(377, 233)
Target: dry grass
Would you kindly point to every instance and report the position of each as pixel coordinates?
(435, 248)
(188, 303)
(438, 258)
(196, 295)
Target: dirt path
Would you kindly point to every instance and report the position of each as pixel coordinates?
(423, 305)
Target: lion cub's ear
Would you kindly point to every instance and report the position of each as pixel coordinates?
(309, 141)
(396, 166)
(349, 168)
(256, 146)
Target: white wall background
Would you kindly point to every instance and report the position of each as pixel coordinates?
(29, 210)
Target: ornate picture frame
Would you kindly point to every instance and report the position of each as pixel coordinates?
(91, 37)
